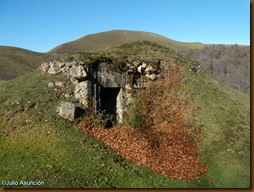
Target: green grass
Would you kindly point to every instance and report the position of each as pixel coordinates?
(225, 116)
(37, 145)
(147, 51)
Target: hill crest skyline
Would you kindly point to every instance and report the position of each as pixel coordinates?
(119, 31)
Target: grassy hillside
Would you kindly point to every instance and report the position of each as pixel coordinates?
(114, 38)
(36, 144)
(15, 62)
(225, 116)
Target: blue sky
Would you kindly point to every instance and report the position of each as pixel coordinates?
(40, 25)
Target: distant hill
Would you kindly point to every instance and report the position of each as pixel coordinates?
(15, 62)
(114, 38)
(230, 65)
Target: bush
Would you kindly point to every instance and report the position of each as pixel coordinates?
(132, 116)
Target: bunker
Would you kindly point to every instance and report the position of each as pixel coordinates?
(100, 88)
(107, 94)
(108, 98)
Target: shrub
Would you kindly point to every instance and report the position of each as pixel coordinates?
(132, 116)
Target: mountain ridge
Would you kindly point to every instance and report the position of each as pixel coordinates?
(119, 37)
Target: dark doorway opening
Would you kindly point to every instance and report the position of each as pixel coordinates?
(108, 101)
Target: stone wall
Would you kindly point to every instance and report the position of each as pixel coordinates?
(89, 79)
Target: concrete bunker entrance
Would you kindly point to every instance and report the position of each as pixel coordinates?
(109, 93)
(108, 100)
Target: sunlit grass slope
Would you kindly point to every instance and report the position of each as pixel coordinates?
(225, 116)
(36, 144)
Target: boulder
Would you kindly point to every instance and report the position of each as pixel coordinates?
(81, 93)
(70, 64)
(54, 68)
(151, 77)
(67, 110)
(50, 84)
(149, 69)
(143, 65)
(140, 68)
(80, 63)
(78, 72)
(44, 67)
(59, 83)
(136, 63)
(60, 64)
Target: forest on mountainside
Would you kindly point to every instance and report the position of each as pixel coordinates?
(228, 64)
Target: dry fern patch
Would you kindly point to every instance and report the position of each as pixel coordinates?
(168, 138)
